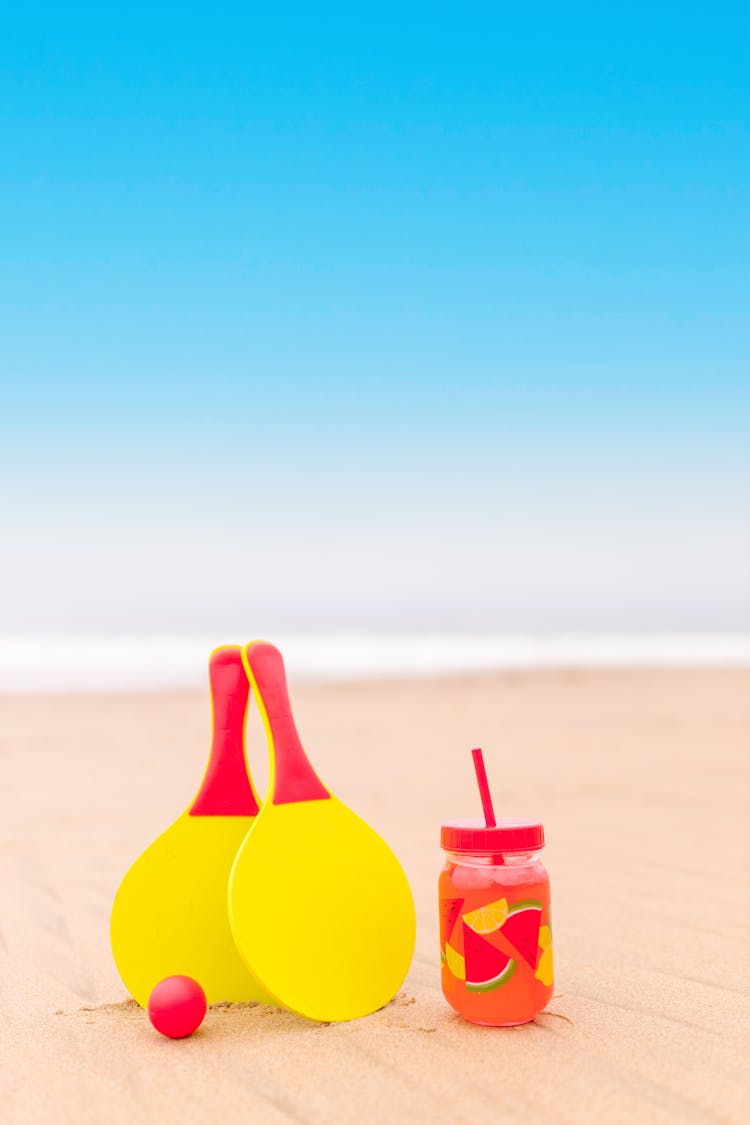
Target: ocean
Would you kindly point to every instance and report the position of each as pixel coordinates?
(152, 663)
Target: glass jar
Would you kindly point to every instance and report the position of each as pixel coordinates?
(495, 936)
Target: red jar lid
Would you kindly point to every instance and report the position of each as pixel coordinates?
(509, 835)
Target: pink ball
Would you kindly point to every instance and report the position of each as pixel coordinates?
(176, 1006)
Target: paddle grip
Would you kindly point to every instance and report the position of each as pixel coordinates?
(294, 777)
(226, 789)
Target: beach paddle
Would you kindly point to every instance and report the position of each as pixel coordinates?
(320, 907)
(169, 915)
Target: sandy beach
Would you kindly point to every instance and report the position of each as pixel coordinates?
(641, 779)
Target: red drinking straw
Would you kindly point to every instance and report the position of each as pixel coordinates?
(484, 789)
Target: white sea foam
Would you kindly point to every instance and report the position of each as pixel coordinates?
(126, 663)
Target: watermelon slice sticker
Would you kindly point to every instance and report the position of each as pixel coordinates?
(450, 908)
(522, 929)
(487, 968)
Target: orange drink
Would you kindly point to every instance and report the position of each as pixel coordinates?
(495, 935)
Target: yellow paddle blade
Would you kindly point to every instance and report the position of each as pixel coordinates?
(170, 915)
(321, 910)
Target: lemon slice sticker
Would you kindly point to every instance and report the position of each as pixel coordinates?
(455, 962)
(488, 918)
(544, 970)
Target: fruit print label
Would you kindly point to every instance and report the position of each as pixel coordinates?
(496, 951)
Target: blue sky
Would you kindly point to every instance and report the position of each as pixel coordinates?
(374, 316)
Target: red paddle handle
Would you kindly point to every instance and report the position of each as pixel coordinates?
(294, 778)
(226, 789)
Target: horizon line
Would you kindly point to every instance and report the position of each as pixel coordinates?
(31, 664)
